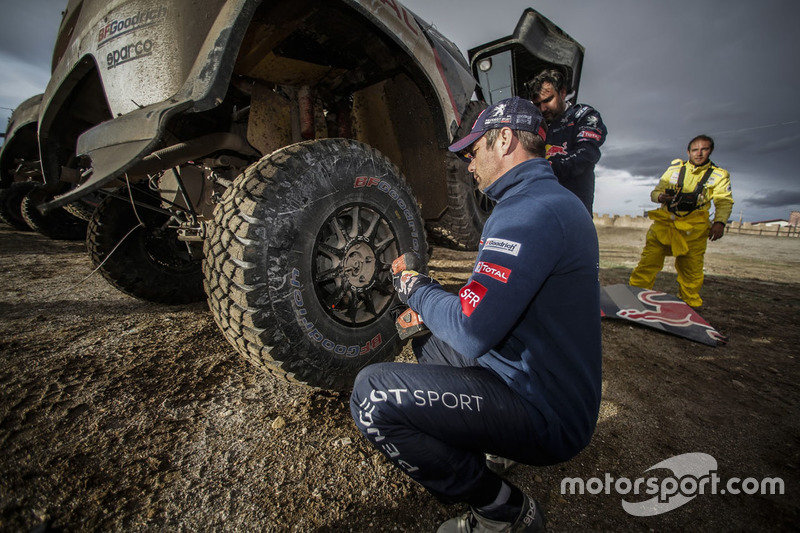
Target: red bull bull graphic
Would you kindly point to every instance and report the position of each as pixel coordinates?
(657, 310)
(555, 149)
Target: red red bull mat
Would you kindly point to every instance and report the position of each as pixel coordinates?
(657, 310)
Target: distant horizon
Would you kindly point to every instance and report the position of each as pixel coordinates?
(596, 215)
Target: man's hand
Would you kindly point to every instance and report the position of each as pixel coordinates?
(408, 282)
(717, 231)
(665, 198)
(407, 261)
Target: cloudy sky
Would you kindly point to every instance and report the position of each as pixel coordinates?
(659, 72)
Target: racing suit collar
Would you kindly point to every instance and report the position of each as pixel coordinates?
(568, 112)
(536, 168)
(691, 168)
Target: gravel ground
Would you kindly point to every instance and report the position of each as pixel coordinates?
(121, 415)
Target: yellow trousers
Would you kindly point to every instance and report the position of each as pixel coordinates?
(686, 240)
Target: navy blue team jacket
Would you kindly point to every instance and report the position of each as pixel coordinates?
(573, 149)
(531, 311)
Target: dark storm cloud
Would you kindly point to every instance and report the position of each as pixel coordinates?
(641, 167)
(659, 72)
(28, 30)
(778, 198)
(643, 161)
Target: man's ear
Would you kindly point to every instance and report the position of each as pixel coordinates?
(507, 139)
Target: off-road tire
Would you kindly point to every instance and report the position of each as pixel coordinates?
(461, 224)
(150, 263)
(11, 204)
(57, 224)
(83, 208)
(298, 260)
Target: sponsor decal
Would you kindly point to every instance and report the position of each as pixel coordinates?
(129, 53)
(524, 119)
(499, 111)
(590, 135)
(402, 14)
(664, 312)
(471, 296)
(369, 424)
(501, 120)
(493, 271)
(119, 27)
(428, 398)
(555, 150)
(658, 310)
(502, 245)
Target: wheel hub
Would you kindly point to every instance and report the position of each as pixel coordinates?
(358, 265)
(352, 258)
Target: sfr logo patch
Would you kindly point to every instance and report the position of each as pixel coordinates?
(471, 296)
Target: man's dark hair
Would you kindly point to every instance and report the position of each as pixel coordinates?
(701, 138)
(552, 76)
(530, 141)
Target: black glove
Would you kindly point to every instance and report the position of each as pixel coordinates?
(407, 283)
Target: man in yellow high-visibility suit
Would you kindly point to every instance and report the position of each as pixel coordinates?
(682, 226)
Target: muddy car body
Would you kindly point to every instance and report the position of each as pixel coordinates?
(19, 155)
(272, 157)
(19, 161)
(21, 190)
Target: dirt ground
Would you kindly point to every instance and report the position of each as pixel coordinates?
(121, 415)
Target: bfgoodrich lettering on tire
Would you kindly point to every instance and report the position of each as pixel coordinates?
(297, 262)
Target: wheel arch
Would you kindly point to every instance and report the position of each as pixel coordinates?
(405, 97)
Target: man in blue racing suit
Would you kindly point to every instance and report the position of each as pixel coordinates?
(513, 365)
(574, 136)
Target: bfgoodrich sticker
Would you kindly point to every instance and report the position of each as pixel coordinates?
(502, 245)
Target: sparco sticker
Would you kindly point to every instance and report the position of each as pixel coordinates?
(493, 271)
(502, 245)
(471, 296)
(128, 53)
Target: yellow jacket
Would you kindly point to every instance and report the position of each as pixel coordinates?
(679, 229)
(717, 189)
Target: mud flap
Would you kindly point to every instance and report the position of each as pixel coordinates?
(657, 310)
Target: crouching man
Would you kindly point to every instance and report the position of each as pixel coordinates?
(512, 368)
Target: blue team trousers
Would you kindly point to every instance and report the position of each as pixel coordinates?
(436, 420)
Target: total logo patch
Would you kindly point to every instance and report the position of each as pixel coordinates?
(471, 296)
(502, 245)
(590, 135)
(493, 271)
